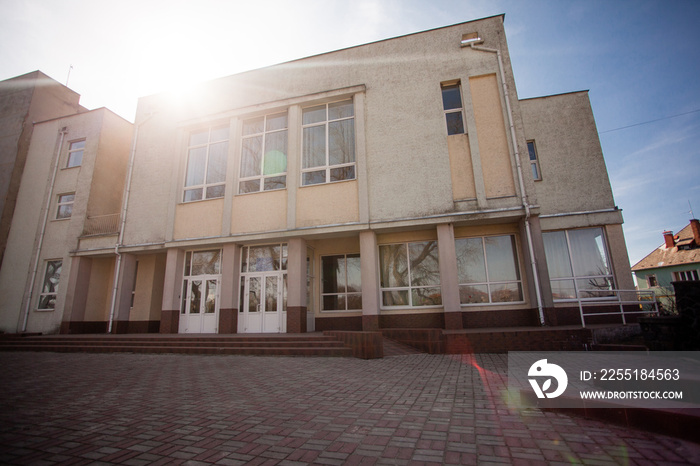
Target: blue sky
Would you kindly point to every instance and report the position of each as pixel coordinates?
(640, 60)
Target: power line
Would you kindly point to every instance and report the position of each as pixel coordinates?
(650, 121)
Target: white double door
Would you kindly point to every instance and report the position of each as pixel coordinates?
(200, 313)
(264, 302)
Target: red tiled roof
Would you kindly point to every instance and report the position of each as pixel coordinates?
(666, 257)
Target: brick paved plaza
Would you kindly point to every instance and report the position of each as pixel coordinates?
(185, 409)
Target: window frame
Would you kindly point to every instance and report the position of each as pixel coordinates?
(576, 278)
(326, 123)
(72, 151)
(53, 287)
(205, 186)
(346, 293)
(446, 86)
(262, 178)
(61, 204)
(491, 284)
(410, 287)
(650, 278)
(686, 275)
(534, 163)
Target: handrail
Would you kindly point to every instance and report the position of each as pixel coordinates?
(637, 297)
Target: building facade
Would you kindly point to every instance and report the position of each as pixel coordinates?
(395, 184)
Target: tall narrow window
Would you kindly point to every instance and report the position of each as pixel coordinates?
(328, 146)
(75, 154)
(578, 264)
(264, 154)
(342, 288)
(410, 274)
(206, 164)
(49, 289)
(452, 105)
(65, 205)
(488, 270)
(534, 161)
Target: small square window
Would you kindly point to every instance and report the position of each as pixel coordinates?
(65, 206)
(75, 154)
(452, 105)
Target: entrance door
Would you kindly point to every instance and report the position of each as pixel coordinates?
(264, 303)
(200, 313)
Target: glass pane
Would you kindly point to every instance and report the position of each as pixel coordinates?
(188, 262)
(341, 142)
(264, 258)
(275, 182)
(333, 302)
(53, 274)
(66, 198)
(455, 125)
(535, 172)
(250, 186)
(393, 264)
(471, 267)
(506, 293)
(451, 97)
(77, 145)
(343, 109)
(199, 138)
(65, 211)
(284, 293)
(310, 178)
(241, 296)
(210, 304)
(557, 253)
(531, 151)
(193, 195)
(563, 289)
(253, 126)
(314, 114)
(588, 252)
(205, 262)
(214, 192)
(353, 275)
(343, 173)
(183, 298)
(195, 296)
(244, 259)
(333, 274)
(426, 296)
(354, 301)
(314, 153)
(47, 301)
(500, 258)
(219, 134)
(277, 121)
(254, 294)
(598, 287)
(395, 298)
(251, 157)
(284, 257)
(425, 268)
(271, 294)
(75, 159)
(275, 153)
(218, 153)
(473, 294)
(195, 166)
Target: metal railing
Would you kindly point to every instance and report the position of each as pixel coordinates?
(628, 301)
(101, 225)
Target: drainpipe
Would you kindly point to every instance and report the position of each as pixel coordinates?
(44, 221)
(523, 195)
(120, 240)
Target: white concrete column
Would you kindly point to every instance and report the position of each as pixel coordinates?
(449, 282)
(369, 258)
(230, 288)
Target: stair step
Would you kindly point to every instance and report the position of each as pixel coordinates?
(176, 343)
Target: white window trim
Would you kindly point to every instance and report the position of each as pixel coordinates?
(262, 176)
(326, 124)
(71, 151)
(460, 110)
(346, 293)
(60, 204)
(410, 287)
(489, 283)
(686, 275)
(205, 185)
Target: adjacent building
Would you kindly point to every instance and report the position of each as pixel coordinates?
(400, 183)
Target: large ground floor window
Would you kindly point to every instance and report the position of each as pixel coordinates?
(488, 271)
(578, 263)
(410, 274)
(341, 283)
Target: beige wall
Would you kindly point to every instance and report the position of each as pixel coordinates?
(199, 219)
(328, 204)
(149, 288)
(99, 295)
(266, 211)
